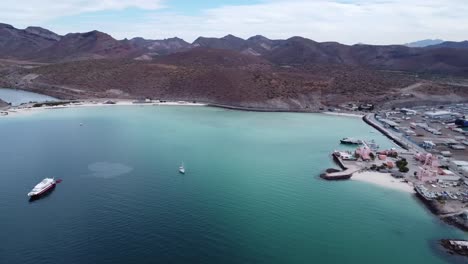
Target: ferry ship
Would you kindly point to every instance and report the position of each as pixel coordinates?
(351, 141)
(42, 187)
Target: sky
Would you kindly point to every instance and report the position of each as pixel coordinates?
(345, 21)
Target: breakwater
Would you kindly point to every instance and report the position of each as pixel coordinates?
(372, 123)
(335, 174)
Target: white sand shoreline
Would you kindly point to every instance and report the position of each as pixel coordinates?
(28, 109)
(383, 179)
(343, 114)
(21, 110)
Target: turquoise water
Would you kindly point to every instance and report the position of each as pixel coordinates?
(17, 97)
(251, 193)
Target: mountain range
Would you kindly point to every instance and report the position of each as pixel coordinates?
(42, 45)
(254, 72)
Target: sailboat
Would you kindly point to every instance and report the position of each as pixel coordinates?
(182, 168)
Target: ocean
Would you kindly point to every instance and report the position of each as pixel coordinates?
(251, 192)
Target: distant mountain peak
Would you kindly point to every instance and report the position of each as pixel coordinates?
(299, 38)
(175, 39)
(231, 37)
(43, 33)
(24, 43)
(95, 33)
(258, 37)
(451, 44)
(424, 43)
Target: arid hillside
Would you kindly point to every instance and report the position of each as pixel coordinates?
(292, 74)
(222, 77)
(41, 45)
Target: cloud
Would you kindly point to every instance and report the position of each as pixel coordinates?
(30, 12)
(346, 21)
(352, 21)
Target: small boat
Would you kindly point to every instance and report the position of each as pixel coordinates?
(182, 169)
(42, 187)
(351, 141)
(372, 145)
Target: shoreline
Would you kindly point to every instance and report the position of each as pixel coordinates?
(344, 114)
(383, 180)
(28, 109)
(383, 131)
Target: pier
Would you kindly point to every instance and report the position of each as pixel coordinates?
(334, 174)
(369, 119)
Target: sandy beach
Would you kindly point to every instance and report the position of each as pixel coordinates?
(343, 114)
(22, 110)
(382, 179)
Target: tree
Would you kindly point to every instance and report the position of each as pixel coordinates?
(404, 169)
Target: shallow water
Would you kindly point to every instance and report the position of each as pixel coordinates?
(251, 193)
(17, 97)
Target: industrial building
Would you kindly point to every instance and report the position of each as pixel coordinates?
(459, 166)
(441, 115)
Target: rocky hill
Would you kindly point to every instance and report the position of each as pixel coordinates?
(205, 57)
(21, 44)
(152, 48)
(80, 46)
(222, 77)
(39, 44)
(292, 74)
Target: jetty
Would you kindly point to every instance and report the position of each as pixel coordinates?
(370, 120)
(335, 174)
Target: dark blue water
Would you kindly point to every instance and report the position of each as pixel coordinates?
(251, 193)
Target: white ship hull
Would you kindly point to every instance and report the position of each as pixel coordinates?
(42, 187)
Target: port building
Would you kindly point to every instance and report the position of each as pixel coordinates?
(441, 115)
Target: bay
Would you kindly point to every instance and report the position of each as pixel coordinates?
(251, 193)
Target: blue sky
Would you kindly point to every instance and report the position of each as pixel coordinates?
(346, 21)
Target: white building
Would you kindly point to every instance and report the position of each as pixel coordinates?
(457, 165)
(439, 114)
(464, 171)
(446, 178)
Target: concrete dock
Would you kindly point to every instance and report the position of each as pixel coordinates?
(334, 174)
(339, 175)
